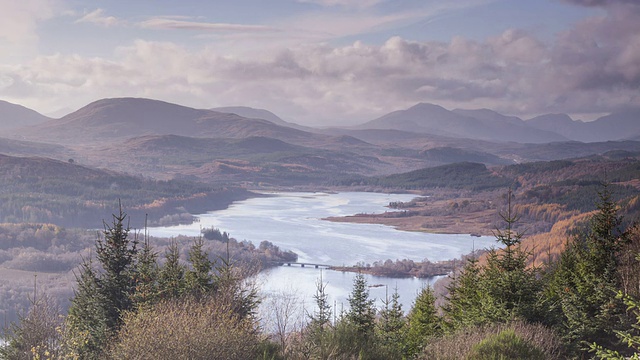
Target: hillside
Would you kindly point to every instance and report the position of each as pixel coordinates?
(62, 193)
(111, 120)
(471, 124)
(14, 116)
(226, 160)
(621, 125)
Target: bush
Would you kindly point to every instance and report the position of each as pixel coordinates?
(463, 344)
(187, 329)
(504, 346)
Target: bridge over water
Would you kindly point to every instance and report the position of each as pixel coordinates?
(303, 264)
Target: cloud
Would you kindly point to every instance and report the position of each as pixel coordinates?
(166, 23)
(603, 3)
(18, 28)
(97, 17)
(593, 67)
(361, 4)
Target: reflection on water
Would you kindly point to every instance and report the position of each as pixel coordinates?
(293, 221)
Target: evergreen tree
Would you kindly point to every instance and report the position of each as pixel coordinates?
(199, 279)
(116, 254)
(321, 317)
(423, 321)
(87, 330)
(172, 274)
(362, 311)
(583, 286)
(146, 277)
(391, 324)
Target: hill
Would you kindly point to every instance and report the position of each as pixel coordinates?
(111, 120)
(14, 116)
(472, 124)
(223, 160)
(49, 191)
(616, 126)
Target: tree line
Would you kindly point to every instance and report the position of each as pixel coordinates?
(580, 304)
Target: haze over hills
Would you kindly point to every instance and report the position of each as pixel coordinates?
(13, 116)
(117, 119)
(617, 126)
(163, 140)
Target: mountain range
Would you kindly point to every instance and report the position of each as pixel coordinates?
(164, 140)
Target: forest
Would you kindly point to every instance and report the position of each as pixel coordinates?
(582, 303)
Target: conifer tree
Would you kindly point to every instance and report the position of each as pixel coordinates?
(391, 323)
(361, 312)
(116, 254)
(199, 279)
(423, 321)
(87, 330)
(584, 284)
(146, 277)
(171, 278)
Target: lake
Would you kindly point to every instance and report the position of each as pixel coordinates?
(293, 221)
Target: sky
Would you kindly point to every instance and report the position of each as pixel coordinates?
(325, 62)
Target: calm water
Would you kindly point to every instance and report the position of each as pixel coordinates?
(293, 221)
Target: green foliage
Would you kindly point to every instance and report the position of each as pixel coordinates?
(362, 312)
(423, 322)
(583, 286)
(391, 325)
(116, 254)
(630, 338)
(506, 345)
(171, 280)
(468, 343)
(501, 290)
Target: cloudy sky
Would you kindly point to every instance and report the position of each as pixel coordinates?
(325, 62)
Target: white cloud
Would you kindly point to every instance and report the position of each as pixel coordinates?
(176, 24)
(344, 3)
(18, 25)
(591, 68)
(99, 18)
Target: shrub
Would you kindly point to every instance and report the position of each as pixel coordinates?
(186, 329)
(463, 343)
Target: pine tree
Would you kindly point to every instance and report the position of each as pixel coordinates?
(391, 323)
(146, 277)
(171, 278)
(87, 330)
(199, 279)
(361, 312)
(584, 284)
(116, 254)
(423, 321)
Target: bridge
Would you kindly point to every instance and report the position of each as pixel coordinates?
(302, 264)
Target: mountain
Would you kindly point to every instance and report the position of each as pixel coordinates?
(252, 113)
(112, 120)
(480, 124)
(14, 116)
(616, 126)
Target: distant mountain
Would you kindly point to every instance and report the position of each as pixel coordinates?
(472, 124)
(252, 113)
(110, 120)
(14, 116)
(621, 125)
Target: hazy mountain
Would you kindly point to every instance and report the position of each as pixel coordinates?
(14, 116)
(472, 124)
(111, 120)
(252, 113)
(617, 126)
